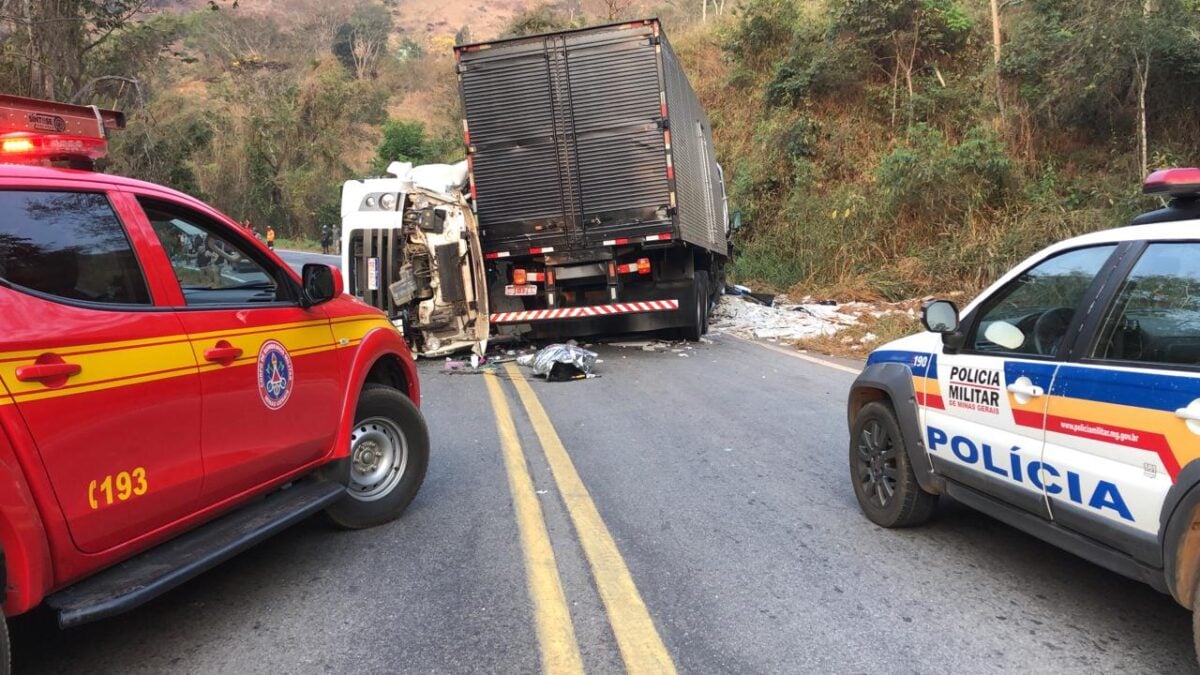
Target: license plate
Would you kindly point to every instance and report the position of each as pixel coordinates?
(528, 289)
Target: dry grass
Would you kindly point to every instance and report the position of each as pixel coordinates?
(869, 332)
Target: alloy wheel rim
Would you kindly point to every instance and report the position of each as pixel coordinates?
(378, 458)
(876, 464)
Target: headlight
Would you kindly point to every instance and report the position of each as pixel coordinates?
(370, 202)
(387, 202)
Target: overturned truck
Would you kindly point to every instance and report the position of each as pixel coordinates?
(591, 200)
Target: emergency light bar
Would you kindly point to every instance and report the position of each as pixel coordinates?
(1174, 182)
(36, 132)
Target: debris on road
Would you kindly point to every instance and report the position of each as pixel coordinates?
(786, 321)
(780, 321)
(766, 299)
(561, 362)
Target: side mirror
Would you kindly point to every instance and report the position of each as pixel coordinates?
(735, 223)
(939, 316)
(320, 283)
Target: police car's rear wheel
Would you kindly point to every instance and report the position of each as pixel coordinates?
(884, 482)
(389, 451)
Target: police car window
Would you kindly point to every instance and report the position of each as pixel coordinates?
(1031, 314)
(212, 269)
(70, 245)
(1156, 316)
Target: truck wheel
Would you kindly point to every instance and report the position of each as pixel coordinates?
(1195, 622)
(698, 314)
(5, 653)
(389, 452)
(883, 479)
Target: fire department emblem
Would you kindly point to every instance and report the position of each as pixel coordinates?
(274, 374)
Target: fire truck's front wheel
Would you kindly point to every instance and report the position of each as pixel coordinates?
(389, 452)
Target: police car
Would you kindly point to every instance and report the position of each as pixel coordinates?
(170, 391)
(1064, 400)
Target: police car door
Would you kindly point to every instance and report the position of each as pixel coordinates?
(1124, 419)
(986, 429)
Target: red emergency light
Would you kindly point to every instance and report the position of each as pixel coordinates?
(46, 132)
(1174, 182)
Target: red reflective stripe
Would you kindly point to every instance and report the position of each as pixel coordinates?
(588, 311)
(670, 172)
(491, 256)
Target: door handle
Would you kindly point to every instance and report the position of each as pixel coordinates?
(222, 353)
(1030, 390)
(1189, 414)
(41, 372)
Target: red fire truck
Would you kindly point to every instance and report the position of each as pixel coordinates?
(170, 391)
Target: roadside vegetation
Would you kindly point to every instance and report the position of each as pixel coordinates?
(876, 149)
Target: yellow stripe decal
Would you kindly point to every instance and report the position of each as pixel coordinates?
(122, 363)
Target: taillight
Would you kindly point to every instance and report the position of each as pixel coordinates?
(643, 266)
(519, 277)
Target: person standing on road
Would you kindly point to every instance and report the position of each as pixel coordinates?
(326, 239)
(270, 237)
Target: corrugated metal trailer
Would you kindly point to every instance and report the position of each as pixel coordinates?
(589, 135)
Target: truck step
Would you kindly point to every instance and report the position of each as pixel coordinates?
(131, 583)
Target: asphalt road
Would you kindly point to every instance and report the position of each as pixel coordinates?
(298, 259)
(719, 474)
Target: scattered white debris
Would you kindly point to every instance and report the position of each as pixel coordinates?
(791, 322)
(641, 344)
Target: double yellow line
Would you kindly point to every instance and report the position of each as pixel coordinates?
(642, 649)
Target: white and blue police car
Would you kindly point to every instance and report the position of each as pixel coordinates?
(1064, 400)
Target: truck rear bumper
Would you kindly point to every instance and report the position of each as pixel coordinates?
(592, 311)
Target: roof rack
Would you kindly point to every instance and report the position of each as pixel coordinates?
(34, 131)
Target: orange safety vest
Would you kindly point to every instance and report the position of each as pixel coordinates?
(270, 234)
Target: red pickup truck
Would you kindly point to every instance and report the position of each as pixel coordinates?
(170, 392)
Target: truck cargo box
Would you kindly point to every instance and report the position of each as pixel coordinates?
(582, 137)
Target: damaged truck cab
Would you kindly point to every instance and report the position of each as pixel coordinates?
(410, 247)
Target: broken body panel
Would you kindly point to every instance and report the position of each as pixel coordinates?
(410, 246)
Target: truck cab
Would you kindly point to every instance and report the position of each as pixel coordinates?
(410, 247)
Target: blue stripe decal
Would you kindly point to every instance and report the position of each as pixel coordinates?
(1041, 374)
(1122, 387)
(919, 362)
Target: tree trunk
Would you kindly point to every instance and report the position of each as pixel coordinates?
(997, 43)
(1142, 74)
(1143, 78)
(704, 11)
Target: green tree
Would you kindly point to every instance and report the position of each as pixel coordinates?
(403, 141)
(904, 36)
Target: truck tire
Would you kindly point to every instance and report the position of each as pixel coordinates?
(5, 652)
(389, 452)
(1195, 623)
(697, 309)
(883, 480)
